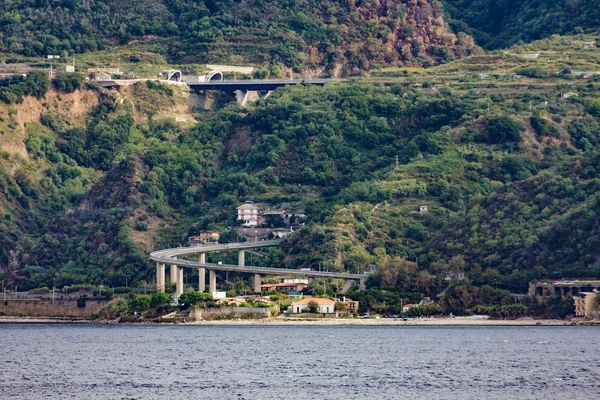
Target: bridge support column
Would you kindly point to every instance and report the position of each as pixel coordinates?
(347, 285)
(202, 274)
(257, 283)
(263, 94)
(361, 285)
(242, 258)
(179, 289)
(173, 269)
(241, 96)
(160, 277)
(212, 281)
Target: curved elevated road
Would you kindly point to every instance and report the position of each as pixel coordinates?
(171, 257)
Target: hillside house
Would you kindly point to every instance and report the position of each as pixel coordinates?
(589, 45)
(285, 287)
(66, 68)
(248, 213)
(203, 238)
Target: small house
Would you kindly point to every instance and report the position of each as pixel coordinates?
(407, 307)
(530, 56)
(203, 238)
(423, 209)
(284, 287)
(66, 68)
(324, 306)
(589, 45)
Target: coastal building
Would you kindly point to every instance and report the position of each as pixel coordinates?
(586, 305)
(407, 307)
(248, 213)
(542, 291)
(351, 306)
(325, 306)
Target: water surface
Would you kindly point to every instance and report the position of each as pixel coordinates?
(272, 362)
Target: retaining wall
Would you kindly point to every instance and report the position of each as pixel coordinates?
(46, 308)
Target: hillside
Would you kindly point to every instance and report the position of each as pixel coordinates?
(310, 36)
(500, 24)
(94, 179)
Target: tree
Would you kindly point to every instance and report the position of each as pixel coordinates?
(191, 299)
(504, 129)
(313, 307)
(67, 82)
(160, 299)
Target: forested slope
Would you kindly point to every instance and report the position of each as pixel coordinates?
(305, 35)
(511, 192)
(502, 23)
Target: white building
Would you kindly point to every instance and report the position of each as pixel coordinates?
(66, 68)
(248, 213)
(325, 306)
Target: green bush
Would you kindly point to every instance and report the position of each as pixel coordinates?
(67, 82)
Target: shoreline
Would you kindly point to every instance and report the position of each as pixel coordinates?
(279, 321)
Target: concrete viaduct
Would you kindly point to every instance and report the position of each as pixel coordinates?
(171, 257)
(244, 88)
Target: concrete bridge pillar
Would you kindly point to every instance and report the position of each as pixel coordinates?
(257, 283)
(242, 258)
(202, 274)
(361, 285)
(263, 94)
(179, 286)
(173, 270)
(212, 281)
(160, 277)
(241, 96)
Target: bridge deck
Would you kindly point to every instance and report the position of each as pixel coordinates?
(166, 257)
(255, 84)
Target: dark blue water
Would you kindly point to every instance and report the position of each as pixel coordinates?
(270, 362)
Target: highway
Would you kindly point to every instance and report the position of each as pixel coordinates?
(167, 257)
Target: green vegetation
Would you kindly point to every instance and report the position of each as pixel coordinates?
(12, 89)
(497, 24)
(507, 168)
(301, 35)
(67, 82)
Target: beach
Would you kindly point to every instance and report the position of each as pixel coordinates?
(282, 321)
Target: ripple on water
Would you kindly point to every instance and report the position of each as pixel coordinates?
(239, 362)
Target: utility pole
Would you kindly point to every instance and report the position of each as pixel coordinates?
(397, 162)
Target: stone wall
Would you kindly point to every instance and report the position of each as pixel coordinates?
(46, 308)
